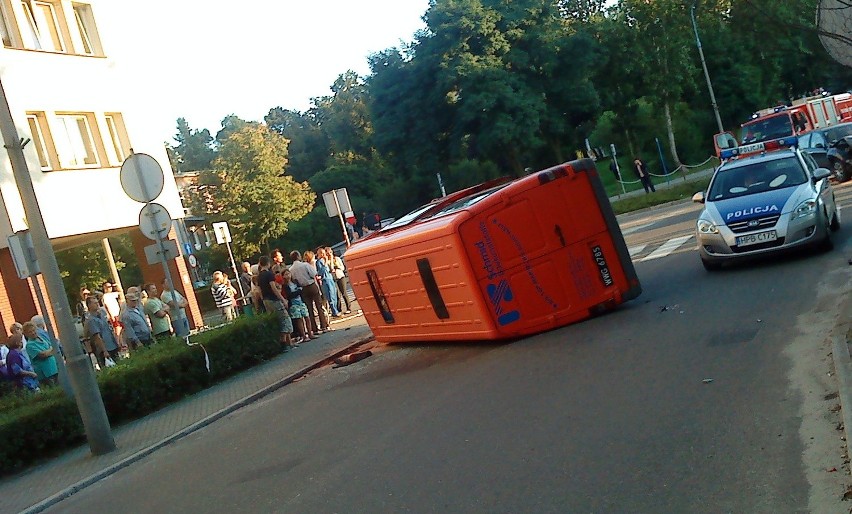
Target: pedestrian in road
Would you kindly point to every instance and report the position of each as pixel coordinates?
(177, 309)
(274, 301)
(158, 313)
(641, 171)
(304, 274)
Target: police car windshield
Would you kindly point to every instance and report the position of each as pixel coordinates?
(767, 128)
(757, 177)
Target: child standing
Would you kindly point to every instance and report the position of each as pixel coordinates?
(298, 309)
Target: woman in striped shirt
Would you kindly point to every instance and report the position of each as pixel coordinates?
(223, 295)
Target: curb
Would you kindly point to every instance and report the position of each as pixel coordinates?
(92, 479)
(843, 367)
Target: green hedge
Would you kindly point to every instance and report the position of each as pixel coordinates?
(38, 426)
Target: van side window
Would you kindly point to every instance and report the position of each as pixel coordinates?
(379, 295)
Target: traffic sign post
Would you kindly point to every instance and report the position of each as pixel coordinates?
(223, 235)
(336, 203)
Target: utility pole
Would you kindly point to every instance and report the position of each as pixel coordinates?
(706, 73)
(86, 392)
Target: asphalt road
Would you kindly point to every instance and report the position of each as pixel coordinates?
(609, 415)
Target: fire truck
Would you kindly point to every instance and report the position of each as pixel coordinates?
(802, 116)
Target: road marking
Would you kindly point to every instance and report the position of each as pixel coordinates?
(637, 228)
(667, 247)
(635, 250)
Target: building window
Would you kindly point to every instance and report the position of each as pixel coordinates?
(42, 30)
(5, 25)
(87, 28)
(40, 138)
(119, 147)
(75, 141)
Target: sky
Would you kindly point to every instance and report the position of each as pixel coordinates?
(205, 59)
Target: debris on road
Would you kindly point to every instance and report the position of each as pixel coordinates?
(707, 380)
(351, 358)
(664, 308)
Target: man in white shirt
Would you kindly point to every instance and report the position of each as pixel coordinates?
(304, 274)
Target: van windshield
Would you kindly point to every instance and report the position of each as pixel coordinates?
(460, 204)
(765, 129)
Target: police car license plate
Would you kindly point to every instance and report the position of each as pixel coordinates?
(754, 239)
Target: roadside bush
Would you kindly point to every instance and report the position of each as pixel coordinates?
(34, 427)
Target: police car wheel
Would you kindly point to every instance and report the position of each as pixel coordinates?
(835, 222)
(711, 265)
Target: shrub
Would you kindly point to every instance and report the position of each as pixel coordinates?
(39, 426)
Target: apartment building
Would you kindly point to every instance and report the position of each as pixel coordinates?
(69, 96)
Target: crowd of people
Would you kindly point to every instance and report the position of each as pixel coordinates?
(111, 325)
(304, 295)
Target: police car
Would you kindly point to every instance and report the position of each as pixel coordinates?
(765, 197)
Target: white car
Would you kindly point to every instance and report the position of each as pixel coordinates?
(764, 202)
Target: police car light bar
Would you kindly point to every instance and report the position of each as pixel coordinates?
(754, 148)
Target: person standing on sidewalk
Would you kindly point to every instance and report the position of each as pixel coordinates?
(177, 309)
(222, 295)
(305, 276)
(274, 301)
(641, 170)
(136, 330)
(329, 287)
(339, 272)
(158, 313)
(100, 332)
(40, 352)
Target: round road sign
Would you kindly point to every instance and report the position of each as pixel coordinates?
(193, 260)
(155, 221)
(142, 177)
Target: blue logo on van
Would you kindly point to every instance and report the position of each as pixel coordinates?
(502, 293)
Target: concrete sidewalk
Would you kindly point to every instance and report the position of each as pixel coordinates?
(48, 483)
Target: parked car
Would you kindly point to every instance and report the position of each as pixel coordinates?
(831, 148)
(763, 203)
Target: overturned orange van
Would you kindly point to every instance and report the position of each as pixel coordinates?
(503, 259)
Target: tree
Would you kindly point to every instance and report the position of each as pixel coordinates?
(309, 147)
(193, 151)
(251, 191)
(344, 118)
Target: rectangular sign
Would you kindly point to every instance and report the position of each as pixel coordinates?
(342, 202)
(154, 255)
(223, 233)
(23, 254)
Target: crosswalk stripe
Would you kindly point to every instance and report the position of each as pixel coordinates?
(635, 250)
(667, 248)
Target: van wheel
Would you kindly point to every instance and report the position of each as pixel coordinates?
(711, 265)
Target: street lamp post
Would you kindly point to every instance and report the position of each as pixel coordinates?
(706, 73)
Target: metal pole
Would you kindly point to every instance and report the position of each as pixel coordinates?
(113, 270)
(80, 371)
(617, 168)
(441, 185)
(706, 73)
(54, 341)
(340, 216)
(662, 159)
(234, 267)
